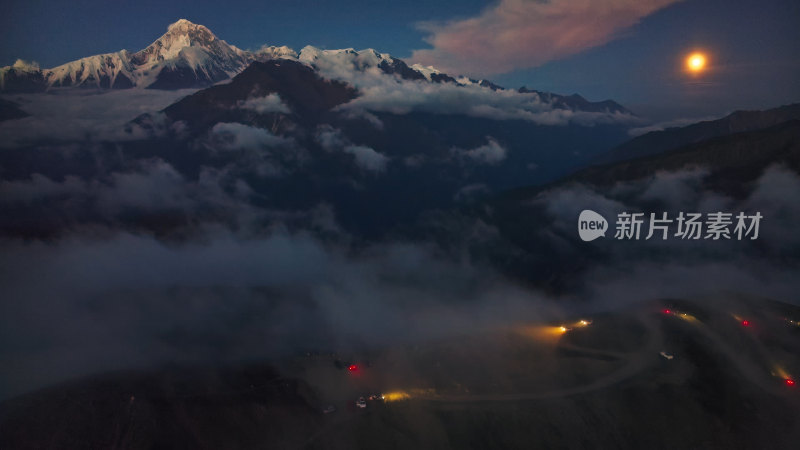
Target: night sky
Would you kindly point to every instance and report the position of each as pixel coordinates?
(753, 45)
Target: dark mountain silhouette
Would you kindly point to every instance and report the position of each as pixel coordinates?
(577, 102)
(660, 141)
(530, 249)
(736, 159)
(192, 407)
(306, 93)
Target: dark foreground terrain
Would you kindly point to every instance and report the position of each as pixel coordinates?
(598, 382)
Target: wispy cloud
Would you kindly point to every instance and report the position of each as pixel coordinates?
(490, 153)
(515, 34)
(271, 103)
(384, 94)
(675, 123)
(381, 93)
(366, 158)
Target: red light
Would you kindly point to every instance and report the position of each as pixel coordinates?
(789, 382)
(666, 311)
(352, 367)
(746, 323)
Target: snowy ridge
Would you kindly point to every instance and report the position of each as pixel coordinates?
(186, 50)
(109, 70)
(187, 55)
(359, 60)
(426, 71)
(272, 52)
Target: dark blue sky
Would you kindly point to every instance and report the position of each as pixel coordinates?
(754, 45)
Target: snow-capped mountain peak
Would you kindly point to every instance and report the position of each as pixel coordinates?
(184, 26)
(187, 55)
(180, 35)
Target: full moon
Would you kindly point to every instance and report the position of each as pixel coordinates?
(696, 62)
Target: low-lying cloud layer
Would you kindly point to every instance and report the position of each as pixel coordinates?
(78, 114)
(677, 267)
(131, 301)
(89, 301)
(385, 94)
(379, 92)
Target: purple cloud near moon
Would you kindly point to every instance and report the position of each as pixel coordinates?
(518, 34)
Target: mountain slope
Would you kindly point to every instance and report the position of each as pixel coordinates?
(660, 141)
(735, 160)
(577, 102)
(306, 93)
(111, 70)
(536, 240)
